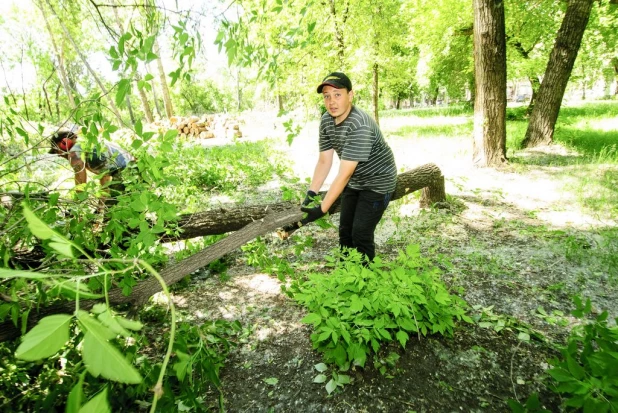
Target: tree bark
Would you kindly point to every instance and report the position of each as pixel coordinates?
(489, 147)
(562, 58)
(253, 223)
(167, 101)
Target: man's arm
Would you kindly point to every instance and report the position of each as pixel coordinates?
(322, 168)
(79, 167)
(346, 169)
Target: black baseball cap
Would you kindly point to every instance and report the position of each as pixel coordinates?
(337, 80)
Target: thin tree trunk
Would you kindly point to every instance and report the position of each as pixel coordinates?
(64, 79)
(167, 101)
(87, 65)
(545, 113)
(339, 37)
(376, 93)
(58, 101)
(490, 83)
(44, 87)
(154, 96)
(144, 99)
(615, 64)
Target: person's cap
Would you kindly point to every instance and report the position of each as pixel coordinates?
(337, 80)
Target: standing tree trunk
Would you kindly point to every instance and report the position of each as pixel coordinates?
(154, 96)
(376, 93)
(615, 64)
(64, 79)
(490, 83)
(167, 101)
(339, 39)
(545, 113)
(44, 87)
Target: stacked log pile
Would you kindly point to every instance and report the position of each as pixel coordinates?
(206, 127)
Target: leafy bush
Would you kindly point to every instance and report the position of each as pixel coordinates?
(354, 309)
(587, 372)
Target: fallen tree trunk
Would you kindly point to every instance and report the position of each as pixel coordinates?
(263, 219)
(427, 177)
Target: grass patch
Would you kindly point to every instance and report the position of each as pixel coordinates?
(429, 112)
(454, 130)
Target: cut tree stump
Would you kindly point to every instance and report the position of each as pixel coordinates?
(245, 223)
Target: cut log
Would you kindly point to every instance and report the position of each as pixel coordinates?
(245, 223)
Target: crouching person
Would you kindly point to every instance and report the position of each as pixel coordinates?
(110, 162)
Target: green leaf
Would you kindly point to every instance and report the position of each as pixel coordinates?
(561, 375)
(576, 370)
(102, 358)
(355, 304)
(442, 298)
(45, 339)
(524, 336)
(129, 324)
(271, 380)
(98, 404)
(346, 336)
(99, 308)
(38, 228)
(112, 323)
(331, 386)
(343, 379)
(21, 132)
(402, 337)
(124, 87)
(312, 318)
(62, 248)
(321, 367)
(76, 396)
(170, 134)
(181, 367)
(320, 378)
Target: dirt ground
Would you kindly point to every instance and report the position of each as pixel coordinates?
(493, 237)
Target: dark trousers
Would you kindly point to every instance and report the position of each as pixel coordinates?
(360, 213)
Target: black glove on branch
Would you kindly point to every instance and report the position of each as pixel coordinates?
(309, 197)
(312, 214)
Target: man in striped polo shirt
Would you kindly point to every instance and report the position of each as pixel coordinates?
(367, 172)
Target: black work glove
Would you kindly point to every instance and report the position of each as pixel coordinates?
(309, 197)
(312, 214)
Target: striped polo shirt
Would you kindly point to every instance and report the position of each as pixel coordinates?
(358, 138)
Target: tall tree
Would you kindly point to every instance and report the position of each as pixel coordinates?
(490, 83)
(568, 40)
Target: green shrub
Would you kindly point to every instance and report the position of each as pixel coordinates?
(587, 372)
(355, 308)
